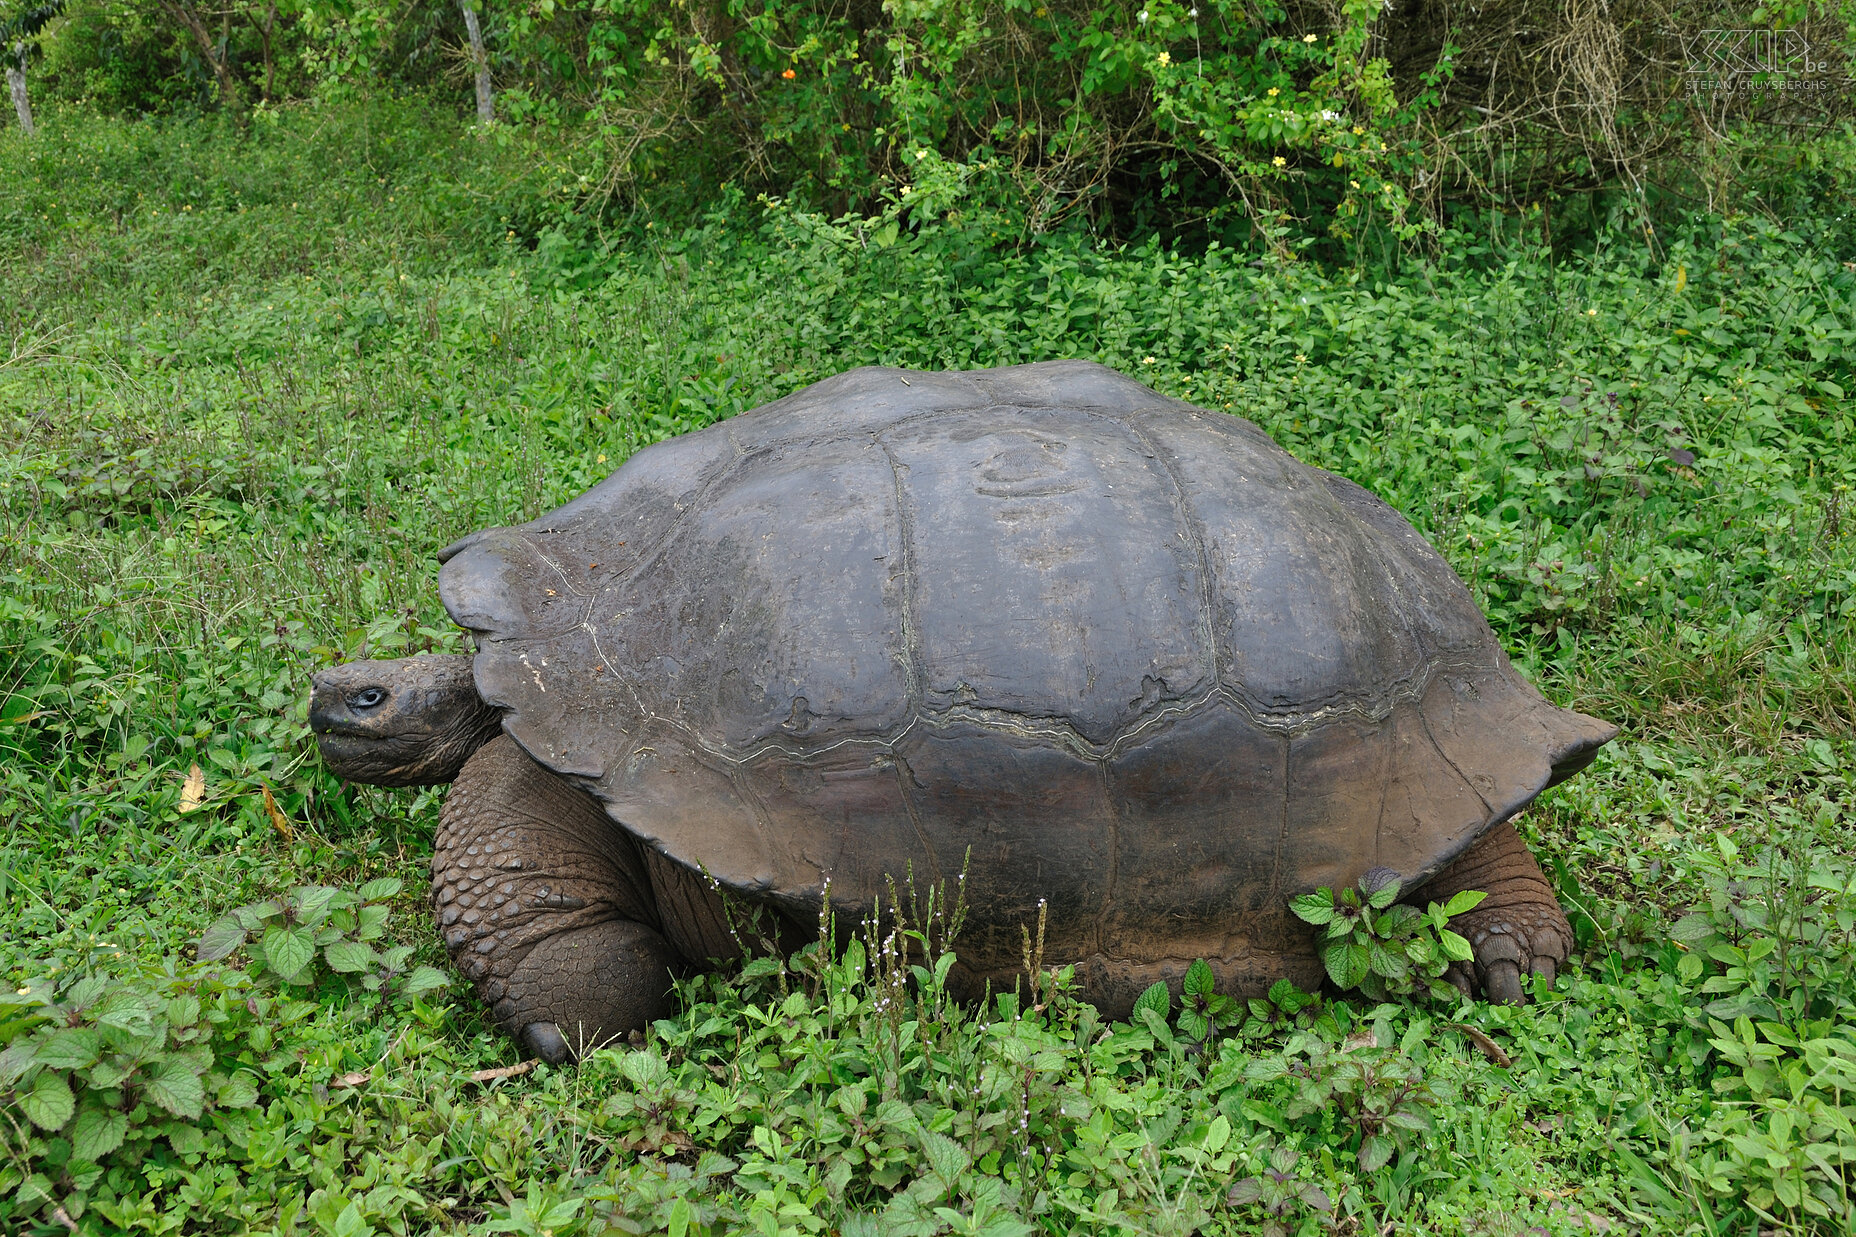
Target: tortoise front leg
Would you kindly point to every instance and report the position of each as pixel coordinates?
(545, 907)
(1518, 928)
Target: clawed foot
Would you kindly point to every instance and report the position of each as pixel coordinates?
(1510, 942)
(1519, 928)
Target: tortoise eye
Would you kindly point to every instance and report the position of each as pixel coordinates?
(367, 698)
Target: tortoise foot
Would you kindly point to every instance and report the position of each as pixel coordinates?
(544, 1040)
(1518, 929)
(1511, 941)
(581, 989)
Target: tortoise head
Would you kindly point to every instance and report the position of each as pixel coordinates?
(410, 722)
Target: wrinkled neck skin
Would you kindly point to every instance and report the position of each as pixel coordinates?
(409, 722)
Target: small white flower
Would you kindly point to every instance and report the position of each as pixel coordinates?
(1141, 17)
(1330, 115)
(1192, 12)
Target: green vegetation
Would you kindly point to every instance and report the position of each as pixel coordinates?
(1345, 125)
(252, 375)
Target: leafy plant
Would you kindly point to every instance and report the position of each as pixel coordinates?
(1280, 1193)
(1384, 947)
(1774, 949)
(318, 930)
(101, 1070)
(1379, 1093)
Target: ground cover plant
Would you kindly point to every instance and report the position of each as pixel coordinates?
(252, 377)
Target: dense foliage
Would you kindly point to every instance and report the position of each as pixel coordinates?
(253, 375)
(1338, 124)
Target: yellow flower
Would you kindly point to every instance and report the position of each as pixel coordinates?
(1147, 360)
(600, 460)
(1301, 358)
(1274, 92)
(1308, 38)
(1591, 313)
(1357, 131)
(1354, 183)
(1279, 161)
(1165, 60)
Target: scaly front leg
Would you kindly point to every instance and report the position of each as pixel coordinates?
(546, 907)
(1518, 928)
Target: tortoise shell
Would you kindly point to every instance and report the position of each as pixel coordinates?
(1095, 647)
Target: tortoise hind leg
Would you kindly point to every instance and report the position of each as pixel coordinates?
(1518, 928)
(545, 907)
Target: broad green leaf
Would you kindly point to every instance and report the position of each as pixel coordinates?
(253, 918)
(1218, 1134)
(97, 1132)
(1316, 908)
(1376, 1151)
(1155, 998)
(645, 1068)
(87, 991)
(1388, 964)
(1199, 979)
(313, 903)
(49, 1103)
(17, 1059)
(347, 957)
(1348, 962)
(760, 967)
(425, 979)
(679, 1225)
(380, 889)
(71, 1048)
(123, 1007)
(1463, 900)
(183, 1010)
(1697, 926)
(185, 1137)
(221, 940)
(348, 1223)
(560, 1213)
(1455, 946)
(1266, 1069)
(948, 1158)
(1285, 995)
(1381, 887)
(175, 1087)
(238, 1091)
(105, 1074)
(371, 922)
(289, 951)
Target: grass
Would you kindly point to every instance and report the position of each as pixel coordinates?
(253, 378)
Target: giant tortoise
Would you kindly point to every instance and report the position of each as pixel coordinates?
(1105, 652)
